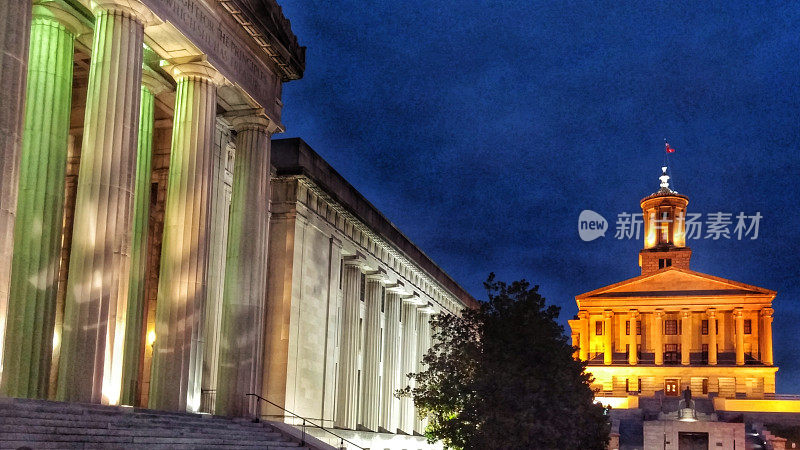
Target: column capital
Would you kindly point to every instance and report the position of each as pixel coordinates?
(134, 8)
(378, 275)
(633, 313)
(685, 313)
(659, 314)
(413, 299)
(396, 288)
(767, 312)
(252, 119)
(63, 14)
(711, 312)
(154, 82)
(608, 314)
(356, 260)
(737, 312)
(196, 69)
(583, 314)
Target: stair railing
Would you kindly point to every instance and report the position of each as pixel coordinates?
(306, 422)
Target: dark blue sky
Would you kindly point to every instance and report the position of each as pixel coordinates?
(482, 129)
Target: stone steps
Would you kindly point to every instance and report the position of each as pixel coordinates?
(46, 424)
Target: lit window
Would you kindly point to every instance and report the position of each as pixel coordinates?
(598, 328)
(704, 327)
(748, 326)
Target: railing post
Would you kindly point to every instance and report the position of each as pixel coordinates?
(303, 440)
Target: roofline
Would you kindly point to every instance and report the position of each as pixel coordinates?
(759, 290)
(294, 157)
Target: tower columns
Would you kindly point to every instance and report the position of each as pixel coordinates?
(633, 357)
(370, 373)
(31, 306)
(90, 367)
(766, 335)
(712, 336)
(658, 336)
(243, 309)
(608, 349)
(177, 353)
(15, 32)
(686, 336)
(739, 319)
(347, 401)
(584, 335)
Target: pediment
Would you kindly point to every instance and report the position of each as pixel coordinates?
(674, 282)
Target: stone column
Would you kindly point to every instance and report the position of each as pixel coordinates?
(152, 85)
(585, 335)
(423, 344)
(241, 337)
(608, 343)
(370, 373)
(409, 364)
(15, 32)
(766, 335)
(178, 349)
(712, 336)
(633, 357)
(686, 336)
(739, 318)
(347, 398)
(392, 338)
(658, 336)
(40, 208)
(90, 367)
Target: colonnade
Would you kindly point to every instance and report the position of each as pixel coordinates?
(688, 334)
(102, 333)
(366, 391)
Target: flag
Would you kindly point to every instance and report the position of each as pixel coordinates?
(668, 148)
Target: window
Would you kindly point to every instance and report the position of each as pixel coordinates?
(672, 353)
(671, 327)
(704, 327)
(383, 298)
(363, 286)
(598, 328)
(748, 326)
(664, 262)
(705, 385)
(638, 327)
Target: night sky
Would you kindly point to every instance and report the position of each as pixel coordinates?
(482, 130)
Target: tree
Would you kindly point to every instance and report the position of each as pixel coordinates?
(503, 376)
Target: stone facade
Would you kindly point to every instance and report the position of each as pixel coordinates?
(168, 257)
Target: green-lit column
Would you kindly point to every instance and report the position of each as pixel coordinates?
(15, 31)
(134, 339)
(178, 349)
(241, 340)
(90, 367)
(40, 207)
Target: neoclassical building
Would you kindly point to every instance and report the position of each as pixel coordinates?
(672, 327)
(156, 251)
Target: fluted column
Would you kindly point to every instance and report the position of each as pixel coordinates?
(633, 357)
(584, 343)
(608, 342)
(152, 85)
(347, 398)
(40, 208)
(423, 344)
(658, 336)
(686, 336)
(370, 374)
(766, 335)
(390, 405)
(712, 336)
(90, 368)
(409, 364)
(177, 353)
(739, 318)
(241, 336)
(15, 32)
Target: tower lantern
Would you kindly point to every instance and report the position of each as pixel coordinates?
(664, 214)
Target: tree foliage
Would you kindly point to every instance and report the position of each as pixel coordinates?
(504, 376)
